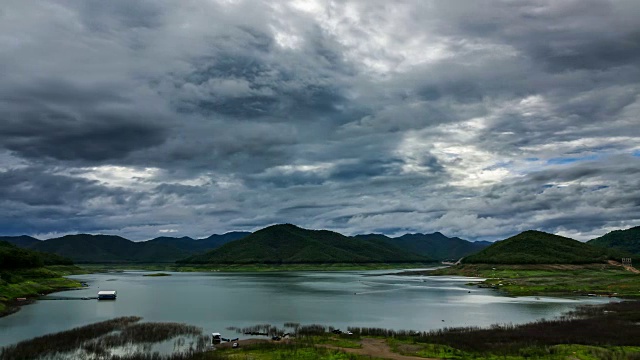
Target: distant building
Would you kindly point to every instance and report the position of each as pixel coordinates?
(107, 295)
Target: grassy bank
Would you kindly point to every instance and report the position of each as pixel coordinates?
(250, 267)
(608, 331)
(527, 280)
(29, 283)
(591, 332)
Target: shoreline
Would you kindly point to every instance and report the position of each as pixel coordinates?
(157, 267)
(36, 282)
(13, 306)
(555, 280)
(604, 331)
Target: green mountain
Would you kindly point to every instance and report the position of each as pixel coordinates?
(85, 248)
(194, 246)
(290, 244)
(13, 257)
(23, 241)
(436, 245)
(537, 247)
(625, 240)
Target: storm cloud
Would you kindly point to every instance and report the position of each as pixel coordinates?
(477, 120)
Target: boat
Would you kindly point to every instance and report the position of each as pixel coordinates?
(216, 338)
(107, 295)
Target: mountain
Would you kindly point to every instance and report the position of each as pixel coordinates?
(436, 245)
(85, 248)
(200, 245)
(537, 247)
(23, 241)
(625, 240)
(290, 244)
(107, 248)
(13, 257)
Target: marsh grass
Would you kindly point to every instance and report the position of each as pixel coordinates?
(100, 339)
(64, 341)
(611, 325)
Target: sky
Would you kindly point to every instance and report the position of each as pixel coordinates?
(187, 118)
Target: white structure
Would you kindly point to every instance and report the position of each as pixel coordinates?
(107, 295)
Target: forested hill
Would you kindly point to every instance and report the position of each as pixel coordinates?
(23, 241)
(536, 247)
(13, 257)
(198, 245)
(625, 240)
(85, 248)
(435, 245)
(289, 244)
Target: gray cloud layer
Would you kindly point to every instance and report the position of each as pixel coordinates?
(475, 119)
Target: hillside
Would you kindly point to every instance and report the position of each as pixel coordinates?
(436, 245)
(536, 247)
(625, 240)
(23, 241)
(293, 245)
(194, 246)
(13, 257)
(85, 248)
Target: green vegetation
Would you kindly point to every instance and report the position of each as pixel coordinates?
(623, 240)
(12, 257)
(536, 247)
(436, 245)
(22, 274)
(99, 339)
(25, 283)
(298, 350)
(97, 268)
(607, 331)
(84, 248)
(289, 244)
(591, 332)
(527, 280)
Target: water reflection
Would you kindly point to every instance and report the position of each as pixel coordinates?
(215, 301)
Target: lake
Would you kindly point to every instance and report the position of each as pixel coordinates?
(215, 301)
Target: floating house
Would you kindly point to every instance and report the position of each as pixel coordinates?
(107, 295)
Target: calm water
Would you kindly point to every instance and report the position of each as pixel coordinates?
(215, 301)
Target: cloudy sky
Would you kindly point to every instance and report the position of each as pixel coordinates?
(193, 117)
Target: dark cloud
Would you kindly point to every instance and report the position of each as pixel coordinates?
(477, 120)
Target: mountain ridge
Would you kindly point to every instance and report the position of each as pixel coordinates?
(435, 245)
(537, 247)
(89, 248)
(624, 240)
(290, 244)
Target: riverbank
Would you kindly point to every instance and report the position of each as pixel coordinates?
(20, 287)
(96, 268)
(607, 331)
(548, 280)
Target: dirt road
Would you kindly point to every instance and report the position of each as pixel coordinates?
(376, 348)
(626, 267)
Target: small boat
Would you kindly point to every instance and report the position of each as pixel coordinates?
(216, 338)
(107, 295)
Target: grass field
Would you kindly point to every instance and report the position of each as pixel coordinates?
(27, 283)
(527, 280)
